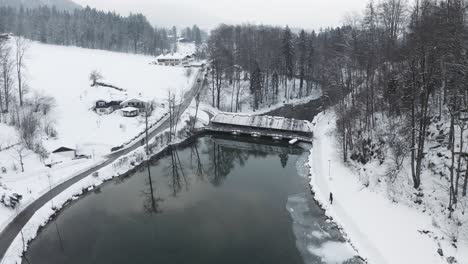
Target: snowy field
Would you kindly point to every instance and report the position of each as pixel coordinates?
(383, 230)
(63, 73)
(66, 78)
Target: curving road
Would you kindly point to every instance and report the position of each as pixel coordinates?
(16, 225)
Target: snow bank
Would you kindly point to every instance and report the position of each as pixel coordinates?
(382, 232)
(229, 93)
(8, 136)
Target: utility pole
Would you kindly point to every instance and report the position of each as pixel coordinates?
(148, 110)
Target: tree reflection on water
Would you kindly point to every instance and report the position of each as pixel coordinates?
(210, 160)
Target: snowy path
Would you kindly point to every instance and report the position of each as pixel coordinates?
(15, 226)
(382, 232)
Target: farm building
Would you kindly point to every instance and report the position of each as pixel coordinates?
(175, 59)
(184, 40)
(269, 124)
(65, 152)
(130, 111)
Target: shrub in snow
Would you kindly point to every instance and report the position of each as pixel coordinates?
(188, 72)
(27, 128)
(42, 104)
(50, 130)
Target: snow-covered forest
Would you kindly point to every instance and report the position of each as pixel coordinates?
(273, 63)
(391, 141)
(399, 66)
(397, 75)
(91, 28)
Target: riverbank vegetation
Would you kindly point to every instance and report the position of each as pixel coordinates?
(403, 79)
(397, 74)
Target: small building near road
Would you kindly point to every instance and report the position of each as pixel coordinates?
(135, 103)
(130, 111)
(5, 36)
(65, 152)
(184, 40)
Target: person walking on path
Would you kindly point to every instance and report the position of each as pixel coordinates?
(331, 198)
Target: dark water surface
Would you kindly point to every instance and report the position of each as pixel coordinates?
(305, 111)
(214, 200)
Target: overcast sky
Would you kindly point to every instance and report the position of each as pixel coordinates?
(309, 14)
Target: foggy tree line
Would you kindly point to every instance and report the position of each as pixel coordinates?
(87, 28)
(404, 68)
(193, 34)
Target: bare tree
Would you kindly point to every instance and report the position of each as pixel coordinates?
(172, 121)
(197, 105)
(95, 77)
(21, 45)
(6, 75)
(149, 107)
(27, 127)
(20, 150)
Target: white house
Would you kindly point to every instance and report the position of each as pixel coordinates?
(175, 59)
(135, 103)
(130, 111)
(103, 108)
(65, 152)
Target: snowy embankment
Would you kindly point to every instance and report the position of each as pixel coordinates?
(118, 168)
(382, 231)
(229, 93)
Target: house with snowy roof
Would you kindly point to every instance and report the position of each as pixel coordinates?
(130, 111)
(132, 107)
(174, 59)
(65, 152)
(103, 107)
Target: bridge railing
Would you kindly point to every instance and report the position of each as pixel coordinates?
(249, 131)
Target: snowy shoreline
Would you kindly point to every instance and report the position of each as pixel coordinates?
(53, 208)
(380, 230)
(119, 168)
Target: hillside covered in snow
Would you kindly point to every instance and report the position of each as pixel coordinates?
(66, 78)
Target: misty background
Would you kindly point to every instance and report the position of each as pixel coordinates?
(309, 14)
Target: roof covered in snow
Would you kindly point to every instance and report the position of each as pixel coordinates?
(129, 109)
(268, 122)
(63, 149)
(132, 100)
(173, 56)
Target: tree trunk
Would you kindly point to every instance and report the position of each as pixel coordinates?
(416, 179)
